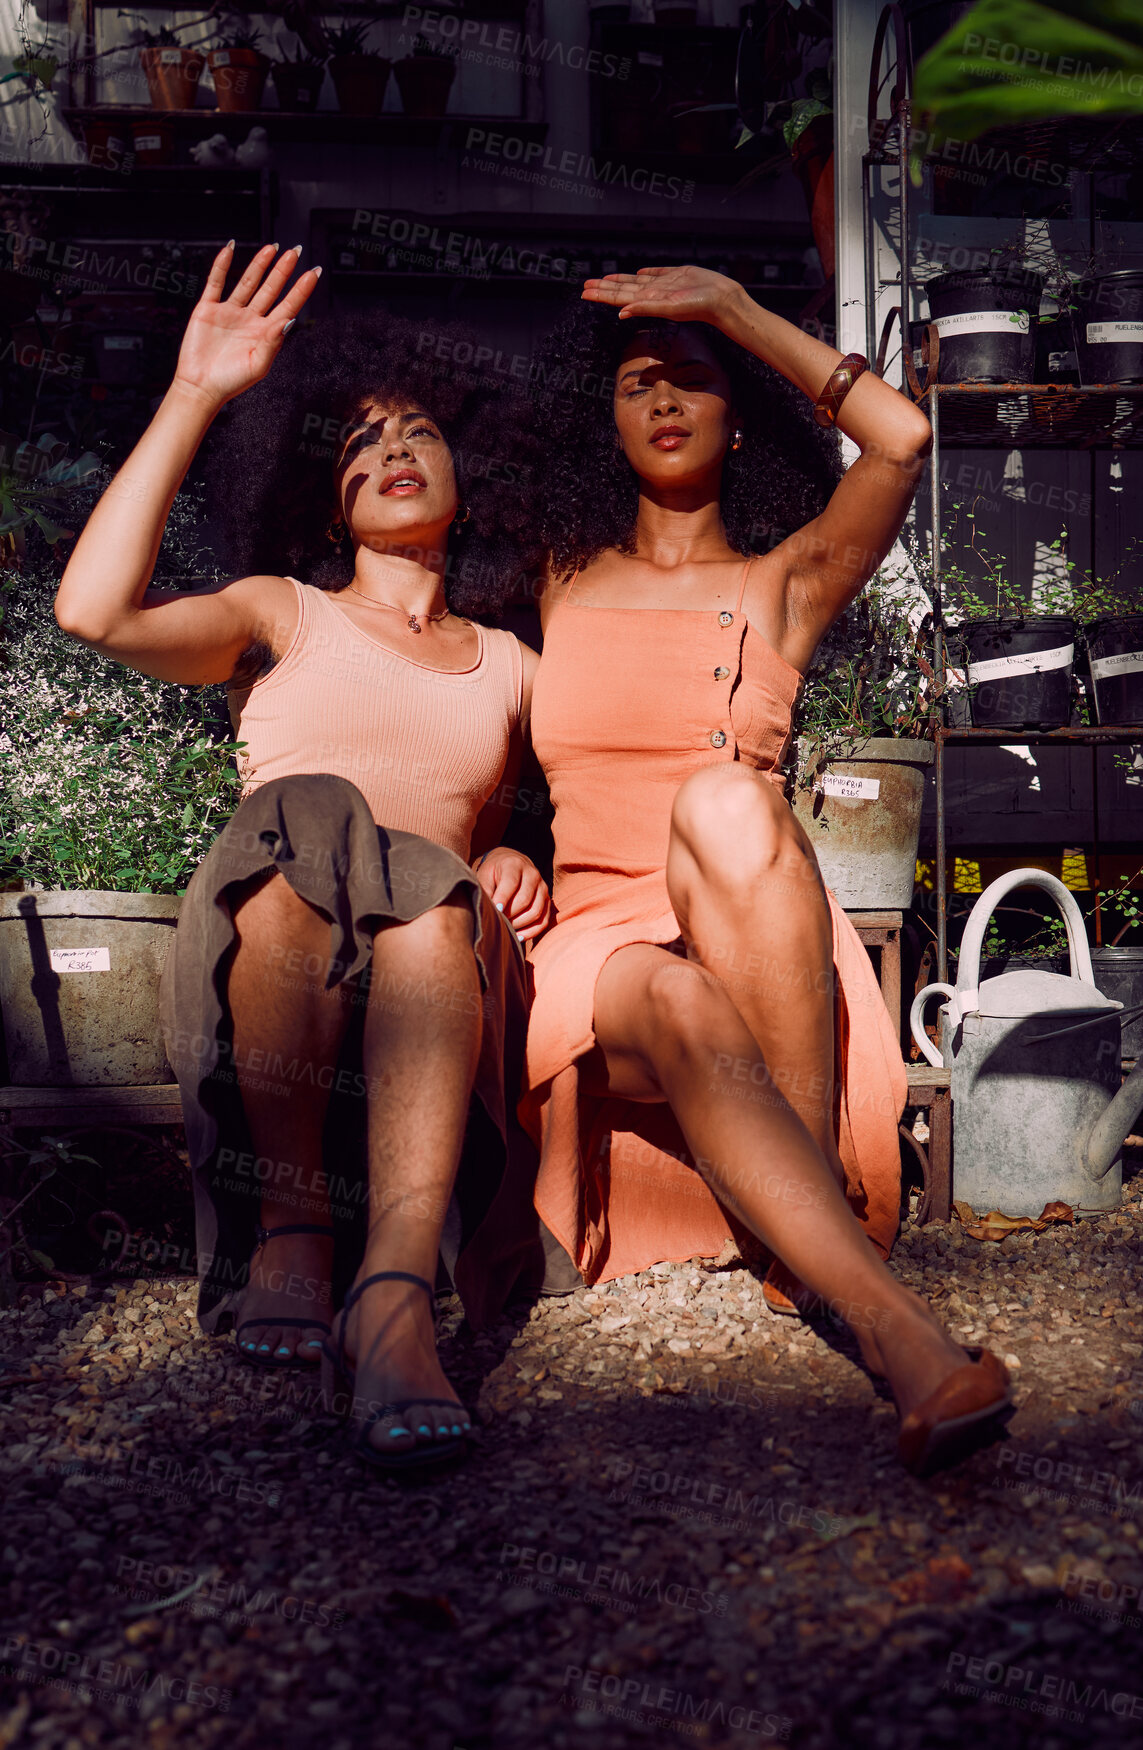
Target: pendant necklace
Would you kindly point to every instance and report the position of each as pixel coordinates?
(412, 622)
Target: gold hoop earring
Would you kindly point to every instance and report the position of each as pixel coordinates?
(335, 533)
(737, 444)
(463, 515)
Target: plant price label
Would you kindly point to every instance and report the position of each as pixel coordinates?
(1100, 333)
(853, 789)
(1000, 668)
(983, 322)
(1127, 662)
(81, 959)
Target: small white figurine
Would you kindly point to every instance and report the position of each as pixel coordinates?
(214, 154)
(254, 152)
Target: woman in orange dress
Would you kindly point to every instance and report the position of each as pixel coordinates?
(707, 1040)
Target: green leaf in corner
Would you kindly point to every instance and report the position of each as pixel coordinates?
(1013, 61)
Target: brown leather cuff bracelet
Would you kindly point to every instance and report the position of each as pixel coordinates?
(828, 404)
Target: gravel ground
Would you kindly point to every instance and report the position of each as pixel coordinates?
(684, 1519)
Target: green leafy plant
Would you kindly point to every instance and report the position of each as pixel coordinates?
(300, 56)
(349, 38)
(1124, 902)
(872, 674)
(37, 65)
(794, 115)
(36, 488)
(1070, 58)
(239, 36)
(109, 779)
(167, 36)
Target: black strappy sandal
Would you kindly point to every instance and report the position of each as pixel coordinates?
(334, 1365)
(250, 1355)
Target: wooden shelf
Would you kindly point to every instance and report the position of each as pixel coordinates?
(323, 126)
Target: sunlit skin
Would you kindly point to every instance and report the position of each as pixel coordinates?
(395, 489)
(741, 874)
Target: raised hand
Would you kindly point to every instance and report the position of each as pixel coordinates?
(680, 294)
(230, 343)
(516, 888)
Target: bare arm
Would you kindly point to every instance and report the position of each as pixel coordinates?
(829, 561)
(189, 636)
(511, 879)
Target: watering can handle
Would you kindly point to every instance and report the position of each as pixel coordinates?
(917, 1021)
(968, 970)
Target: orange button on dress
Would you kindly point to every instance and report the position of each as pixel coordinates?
(627, 703)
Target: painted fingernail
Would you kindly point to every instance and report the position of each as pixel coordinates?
(264, 1347)
(317, 273)
(275, 247)
(396, 1433)
(456, 1427)
(296, 248)
(229, 245)
(424, 1429)
(289, 325)
(499, 906)
(283, 1350)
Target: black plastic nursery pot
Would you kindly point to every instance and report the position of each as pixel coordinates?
(1019, 671)
(1109, 329)
(1119, 975)
(986, 323)
(1115, 658)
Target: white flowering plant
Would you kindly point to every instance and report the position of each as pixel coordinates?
(109, 780)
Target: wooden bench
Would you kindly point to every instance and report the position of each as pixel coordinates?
(882, 930)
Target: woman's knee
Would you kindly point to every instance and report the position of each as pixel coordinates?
(690, 1015)
(738, 832)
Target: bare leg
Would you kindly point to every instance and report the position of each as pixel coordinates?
(745, 887)
(422, 1041)
(282, 1011)
(661, 1024)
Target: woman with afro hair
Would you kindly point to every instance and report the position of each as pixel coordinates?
(344, 986)
(708, 1046)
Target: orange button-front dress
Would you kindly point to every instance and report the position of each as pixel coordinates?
(627, 703)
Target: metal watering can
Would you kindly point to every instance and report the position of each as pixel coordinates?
(1039, 1114)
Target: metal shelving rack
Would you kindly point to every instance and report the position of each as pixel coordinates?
(1004, 416)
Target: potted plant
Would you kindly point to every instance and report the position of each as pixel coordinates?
(806, 124)
(862, 751)
(359, 75)
(986, 322)
(1015, 657)
(298, 79)
(1112, 636)
(172, 70)
(239, 69)
(424, 78)
(1118, 968)
(112, 787)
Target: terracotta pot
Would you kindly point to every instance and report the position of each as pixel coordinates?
(812, 155)
(239, 77)
(106, 143)
(153, 142)
(172, 76)
(298, 85)
(424, 82)
(360, 82)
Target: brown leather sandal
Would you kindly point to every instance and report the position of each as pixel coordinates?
(949, 1425)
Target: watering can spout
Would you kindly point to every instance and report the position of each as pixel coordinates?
(1110, 1132)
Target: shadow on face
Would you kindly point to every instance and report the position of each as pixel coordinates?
(674, 407)
(395, 478)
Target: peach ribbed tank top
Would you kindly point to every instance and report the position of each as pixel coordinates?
(426, 747)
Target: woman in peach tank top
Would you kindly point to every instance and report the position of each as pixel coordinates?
(345, 999)
(708, 1046)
